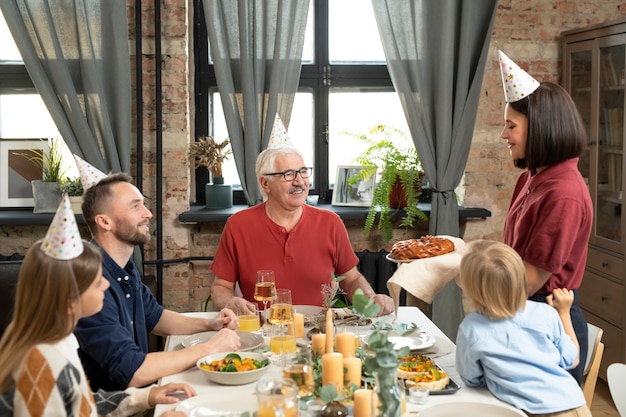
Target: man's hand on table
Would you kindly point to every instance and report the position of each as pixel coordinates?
(385, 302)
(226, 319)
(225, 340)
(241, 306)
(170, 393)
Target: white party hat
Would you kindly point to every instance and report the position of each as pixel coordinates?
(89, 175)
(517, 83)
(279, 137)
(63, 239)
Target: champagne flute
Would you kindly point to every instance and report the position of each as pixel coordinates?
(281, 314)
(265, 289)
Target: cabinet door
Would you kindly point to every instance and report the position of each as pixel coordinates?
(579, 83)
(610, 144)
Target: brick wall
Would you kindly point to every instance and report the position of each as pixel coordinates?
(527, 30)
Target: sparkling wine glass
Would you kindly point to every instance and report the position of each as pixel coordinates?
(265, 289)
(281, 314)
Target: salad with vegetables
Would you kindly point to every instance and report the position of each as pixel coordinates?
(234, 363)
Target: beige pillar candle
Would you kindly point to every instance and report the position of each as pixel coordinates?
(332, 370)
(330, 331)
(318, 343)
(352, 371)
(363, 403)
(345, 343)
(298, 324)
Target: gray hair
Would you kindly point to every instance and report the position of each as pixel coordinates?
(266, 162)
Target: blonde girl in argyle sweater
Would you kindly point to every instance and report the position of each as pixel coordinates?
(40, 372)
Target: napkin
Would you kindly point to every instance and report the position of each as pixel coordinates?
(424, 278)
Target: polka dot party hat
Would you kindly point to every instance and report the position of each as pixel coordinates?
(517, 83)
(279, 137)
(63, 239)
(89, 175)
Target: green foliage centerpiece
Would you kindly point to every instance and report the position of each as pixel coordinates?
(380, 368)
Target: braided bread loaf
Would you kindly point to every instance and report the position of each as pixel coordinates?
(424, 247)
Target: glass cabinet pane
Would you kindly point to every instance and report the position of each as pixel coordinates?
(580, 64)
(610, 143)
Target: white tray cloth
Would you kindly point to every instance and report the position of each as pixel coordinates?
(424, 278)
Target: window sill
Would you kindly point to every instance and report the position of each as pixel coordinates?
(201, 214)
(25, 216)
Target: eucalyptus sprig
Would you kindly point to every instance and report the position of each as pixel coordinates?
(385, 356)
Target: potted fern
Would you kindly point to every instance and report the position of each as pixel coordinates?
(399, 184)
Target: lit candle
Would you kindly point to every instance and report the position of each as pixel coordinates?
(330, 330)
(352, 371)
(298, 324)
(332, 370)
(363, 403)
(345, 343)
(318, 343)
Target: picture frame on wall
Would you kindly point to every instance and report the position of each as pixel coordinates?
(350, 190)
(17, 172)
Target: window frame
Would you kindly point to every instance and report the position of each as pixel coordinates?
(319, 77)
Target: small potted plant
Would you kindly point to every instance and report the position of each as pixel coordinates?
(73, 187)
(400, 181)
(208, 153)
(49, 159)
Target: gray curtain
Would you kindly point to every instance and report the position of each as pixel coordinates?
(436, 53)
(76, 52)
(256, 47)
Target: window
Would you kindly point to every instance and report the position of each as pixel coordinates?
(344, 86)
(20, 103)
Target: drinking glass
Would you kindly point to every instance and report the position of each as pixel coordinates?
(299, 367)
(249, 322)
(277, 397)
(265, 289)
(281, 314)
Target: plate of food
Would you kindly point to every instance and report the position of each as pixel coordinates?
(214, 406)
(427, 246)
(235, 368)
(421, 371)
(249, 340)
(413, 342)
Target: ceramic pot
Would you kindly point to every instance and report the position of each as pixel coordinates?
(219, 195)
(47, 196)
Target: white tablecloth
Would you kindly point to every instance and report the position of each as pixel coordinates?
(443, 352)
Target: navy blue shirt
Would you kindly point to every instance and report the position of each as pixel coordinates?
(114, 342)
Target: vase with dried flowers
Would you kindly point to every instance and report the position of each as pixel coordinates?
(207, 152)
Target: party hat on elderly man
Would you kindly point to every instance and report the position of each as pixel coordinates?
(89, 175)
(63, 240)
(279, 137)
(517, 83)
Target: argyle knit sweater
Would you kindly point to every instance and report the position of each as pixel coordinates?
(52, 382)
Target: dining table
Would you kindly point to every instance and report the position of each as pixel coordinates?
(442, 352)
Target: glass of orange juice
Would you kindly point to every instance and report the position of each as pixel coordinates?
(249, 322)
(277, 397)
(280, 344)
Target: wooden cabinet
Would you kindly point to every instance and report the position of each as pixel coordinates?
(593, 72)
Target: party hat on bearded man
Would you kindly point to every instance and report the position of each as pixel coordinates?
(517, 83)
(89, 175)
(63, 240)
(279, 137)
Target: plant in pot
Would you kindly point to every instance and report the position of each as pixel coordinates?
(73, 187)
(207, 152)
(46, 192)
(399, 184)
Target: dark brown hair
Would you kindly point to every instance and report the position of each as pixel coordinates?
(97, 198)
(556, 131)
